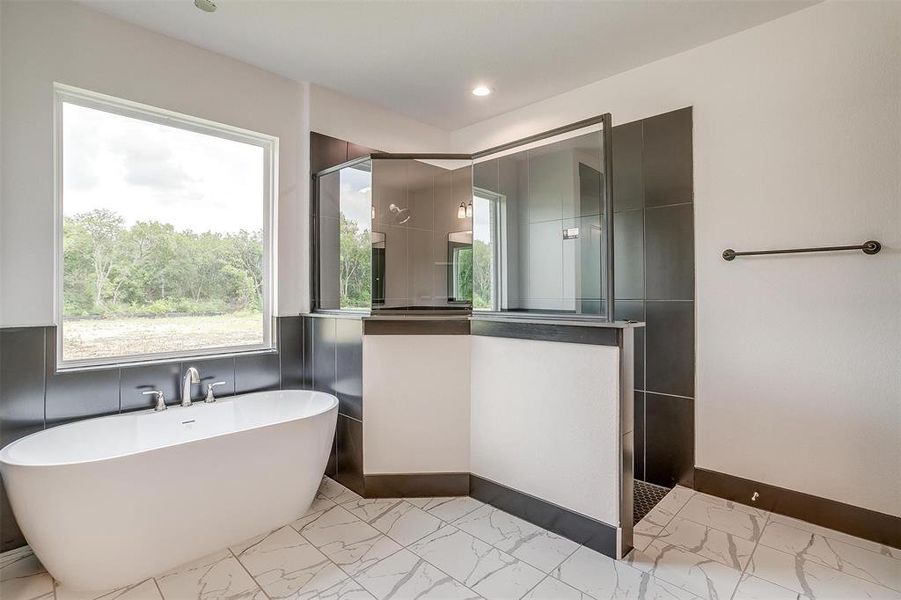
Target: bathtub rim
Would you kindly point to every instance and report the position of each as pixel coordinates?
(5, 459)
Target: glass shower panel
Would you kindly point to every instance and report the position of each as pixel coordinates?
(347, 254)
(422, 215)
(540, 241)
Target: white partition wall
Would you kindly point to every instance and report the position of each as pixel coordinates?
(545, 421)
(528, 417)
(417, 404)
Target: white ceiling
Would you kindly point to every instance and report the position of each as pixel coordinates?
(421, 59)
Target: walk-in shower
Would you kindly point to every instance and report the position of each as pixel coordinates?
(521, 229)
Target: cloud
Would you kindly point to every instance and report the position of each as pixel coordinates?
(150, 172)
(81, 147)
(148, 158)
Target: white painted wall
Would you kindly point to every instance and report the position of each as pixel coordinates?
(43, 42)
(545, 421)
(797, 142)
(63, 41)
(332, 113)
(416, 414)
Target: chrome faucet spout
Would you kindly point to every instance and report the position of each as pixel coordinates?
(191, 377)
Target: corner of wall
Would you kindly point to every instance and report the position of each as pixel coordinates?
(347, 118)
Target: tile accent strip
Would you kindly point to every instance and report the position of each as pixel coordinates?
(574, 526)
(853, 520)
(626, 338)
(575, 334)
(416, 485)
(415, 326)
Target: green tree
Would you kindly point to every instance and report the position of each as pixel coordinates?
(355, 262)
(481, 275)
(151, 268)
(78, 269)
(463, 287)
(103, 229)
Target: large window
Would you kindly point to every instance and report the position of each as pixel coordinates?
(165, 233)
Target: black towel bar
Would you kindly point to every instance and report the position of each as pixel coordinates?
(869, 247)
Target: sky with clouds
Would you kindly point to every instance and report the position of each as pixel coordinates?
(145, 171)
(356, 197)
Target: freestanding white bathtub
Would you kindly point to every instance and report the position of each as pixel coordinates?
(110, 501)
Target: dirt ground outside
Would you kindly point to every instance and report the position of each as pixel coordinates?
(127, 336)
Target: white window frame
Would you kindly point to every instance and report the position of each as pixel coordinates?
(498, 221)
(72, 95)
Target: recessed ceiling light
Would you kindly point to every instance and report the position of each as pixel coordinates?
(481, 90)
(205, 5)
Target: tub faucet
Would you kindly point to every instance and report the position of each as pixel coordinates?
(160, 399)
(191, 376)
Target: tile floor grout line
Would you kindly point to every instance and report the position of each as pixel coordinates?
(663, 528)
(529, 591)
(440, 570)
(822, 564)
(466, 514)
(767, 519)
(496, 547)
(580, 590)
(672, 516)
(709, 526)
(418, 556)
(252, 578)
(767, 523)
(751, 557)
(567, 558)
(845, 573)
(653, 573)
(158, 588)
(838, 539)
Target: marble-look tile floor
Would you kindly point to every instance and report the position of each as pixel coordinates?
(348, 548)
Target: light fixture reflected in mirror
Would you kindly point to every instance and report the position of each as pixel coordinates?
(468, 209)
(461, 211)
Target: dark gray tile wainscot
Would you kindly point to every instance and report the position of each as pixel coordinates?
(34, 395)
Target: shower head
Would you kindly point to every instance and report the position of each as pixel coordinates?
(205, 5)
(400, 215)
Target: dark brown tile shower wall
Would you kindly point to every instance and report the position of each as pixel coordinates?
(33, 395)
(334, 347)
(654, 255)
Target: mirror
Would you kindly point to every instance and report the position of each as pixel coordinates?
(422, 234)
(538, 228)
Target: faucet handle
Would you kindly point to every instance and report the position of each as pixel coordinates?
(209, 390)
(160, 399)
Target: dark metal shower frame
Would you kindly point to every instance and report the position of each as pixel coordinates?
(314, 232)
(605, 120)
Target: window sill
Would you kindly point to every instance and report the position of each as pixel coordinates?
(165, 360)
(338, 314)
